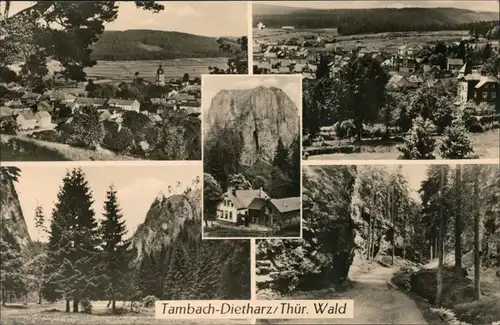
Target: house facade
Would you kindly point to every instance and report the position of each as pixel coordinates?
(479, 89)
(26, 121)
(126, 105)
(275, 212)
(235, 207)
(43, 119)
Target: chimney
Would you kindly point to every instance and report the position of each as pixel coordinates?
(233, 191)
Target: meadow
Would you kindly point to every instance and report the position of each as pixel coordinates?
(381, 41)
(53, 314)
(125, 70)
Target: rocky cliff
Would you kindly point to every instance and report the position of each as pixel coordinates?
(261, 115)
(164, 220)
(324, 255)
(13, 228)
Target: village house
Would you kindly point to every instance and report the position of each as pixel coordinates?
(43, 119)
(30, 98)
(454, 65)
(234, 207)
(275, 212)
(261, 26)
(26, 121)
(398, 81)
(62, 96)
(478, 88)
(124, 104)
(87, 101)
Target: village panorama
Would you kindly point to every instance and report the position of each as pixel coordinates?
(380, 84)
(125, 91)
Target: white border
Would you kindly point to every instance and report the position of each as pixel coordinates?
(204, 79)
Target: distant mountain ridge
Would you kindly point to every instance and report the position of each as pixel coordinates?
(143, 44)
(378, 20)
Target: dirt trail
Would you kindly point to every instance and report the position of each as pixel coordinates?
(375, 302)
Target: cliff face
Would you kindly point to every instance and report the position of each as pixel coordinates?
(164, 220)
(325, 254)
(13, 229)
(261, 115)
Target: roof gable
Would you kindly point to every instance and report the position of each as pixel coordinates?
(287, 204)
(243, 198)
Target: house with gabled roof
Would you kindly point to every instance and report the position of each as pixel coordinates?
(125, 104)
(26, 121)
(276, 212)
(235, 207)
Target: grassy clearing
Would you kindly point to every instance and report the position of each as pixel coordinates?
(52, 314)
(19, 148)
(486, 145)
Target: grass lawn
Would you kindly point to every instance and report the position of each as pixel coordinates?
(26, 149)
(52, 314)
(227, 232)
(486, 145)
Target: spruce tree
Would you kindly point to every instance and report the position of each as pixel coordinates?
(281, 157)
(73, 243)
(115, 256)
(39, 221)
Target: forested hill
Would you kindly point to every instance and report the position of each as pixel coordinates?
(141, 44)
(361, 21)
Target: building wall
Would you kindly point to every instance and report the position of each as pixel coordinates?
(227, 211)
(44, 122)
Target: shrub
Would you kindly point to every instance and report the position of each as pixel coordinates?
(346, 129)
(8, 126)
(120, 141)
(455, 143)
(442, 117)
(476, 128)
(51, 136)
(149, 301)
(86, 306)
(86, 130)
(418, 144)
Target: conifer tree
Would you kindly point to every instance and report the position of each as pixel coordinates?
(115, 248)
(281, 157)
(72, 249)
(39, 220)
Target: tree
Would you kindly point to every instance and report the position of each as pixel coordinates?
(441, 236)
(115, 255)
(212, 197)
(477, 239)
(13, 279)
(323, 69)
(281, 157)
(86, 129)
(361, 92)
(72, 250)
(120, 141)
(455, 143)
(62, 31)
(239, 182)
(418, 144)
(39, 220)
(458, 221)
(442, 115)
(185, 78)
(237, 63)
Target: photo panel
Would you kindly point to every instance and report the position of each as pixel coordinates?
(378, 86)
(130, 92)
(373, 237)
(90, 241)
(251, 156)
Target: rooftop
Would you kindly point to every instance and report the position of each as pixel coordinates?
(287, 204)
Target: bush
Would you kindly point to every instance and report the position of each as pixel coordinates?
(86, 306)
(8, 126)
(50, 135)
(149, 301)
(121, 141)
(346, 129)
(476, 128)
(86, 130)
(418, 144)
(455, 143)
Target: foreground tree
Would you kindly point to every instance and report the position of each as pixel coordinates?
(212, 196)
(115, 255)
(455, 143)
(63, 31)
(418, 144)
(72, 250)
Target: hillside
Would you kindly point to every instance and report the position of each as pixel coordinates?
(360, 21)
(260, 115)
(138, 44)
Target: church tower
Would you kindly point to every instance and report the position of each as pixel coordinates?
(160, 77)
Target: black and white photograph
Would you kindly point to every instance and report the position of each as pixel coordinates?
(251, 156)
(410, 244)
(381, 84)
(100, 244)
(119, 80)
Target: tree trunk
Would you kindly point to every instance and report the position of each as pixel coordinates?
(113, 306)
(4, 298)
(40, 288)
(404, 236)
(75, 306)
(458, 224)
(440, 242)
(392, 210)
(68, 309)
(369, 243)
(477, 244)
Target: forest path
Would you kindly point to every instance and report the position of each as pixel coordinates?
(376, 301)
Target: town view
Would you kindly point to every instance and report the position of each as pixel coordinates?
(378, 84)
(126, 90)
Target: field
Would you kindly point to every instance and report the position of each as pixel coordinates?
(486, 145)
(125, 70)
(382, 41)
(51, 314)
(20, 148)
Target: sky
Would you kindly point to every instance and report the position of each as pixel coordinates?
(212, 84)
(475, 5)
(136, 186)
(216, 19)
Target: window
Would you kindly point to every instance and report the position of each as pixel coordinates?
(494, 95)
(485, 94)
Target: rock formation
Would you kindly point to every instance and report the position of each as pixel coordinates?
(13, 229)
(261, 115)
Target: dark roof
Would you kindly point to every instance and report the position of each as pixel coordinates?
(287, 204)
(243, 198)
(257, 204)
